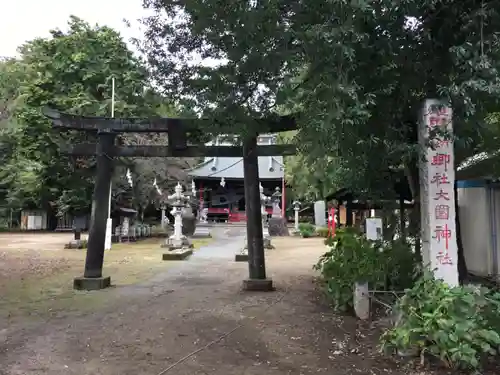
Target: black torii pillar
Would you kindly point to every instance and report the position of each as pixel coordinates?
(257, 280)
(92, 277)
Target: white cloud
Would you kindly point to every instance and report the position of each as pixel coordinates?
(24, 20)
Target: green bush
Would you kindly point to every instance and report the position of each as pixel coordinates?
(306, 230)
(353, 258)
(402, 267)
(457, 325)
(322, 232)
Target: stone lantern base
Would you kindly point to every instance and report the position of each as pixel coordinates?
(178, 249)
(278, 227)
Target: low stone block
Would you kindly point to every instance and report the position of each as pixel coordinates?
(258, 285)
(91, 283)
(278, 227)
(201, 232)
(179, 254)
(76, 244)
(241, 258)
(177, 244)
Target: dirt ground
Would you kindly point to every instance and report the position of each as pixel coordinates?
(36, 272)
(192, 318)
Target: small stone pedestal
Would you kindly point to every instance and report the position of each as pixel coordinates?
(244, 252)
(91, 283)
(242, 257)
(177, 249)
(258, 285)
(202, 231)
(179, 254)
(76, 242)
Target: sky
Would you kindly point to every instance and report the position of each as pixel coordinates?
(24, 20)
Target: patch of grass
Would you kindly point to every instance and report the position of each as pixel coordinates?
(43, 284)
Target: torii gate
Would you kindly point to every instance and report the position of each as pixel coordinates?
(178, 130)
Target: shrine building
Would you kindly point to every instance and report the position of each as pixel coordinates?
(219, 181)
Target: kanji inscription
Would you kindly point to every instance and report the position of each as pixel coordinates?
(442, 212)
(441, 159)
(437, 186)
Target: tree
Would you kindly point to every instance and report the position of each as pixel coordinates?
(71, 71)
(356, 71)
(346, 67)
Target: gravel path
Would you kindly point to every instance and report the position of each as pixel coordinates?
(194, 319)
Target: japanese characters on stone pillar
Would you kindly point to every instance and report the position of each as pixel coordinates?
(437, 178)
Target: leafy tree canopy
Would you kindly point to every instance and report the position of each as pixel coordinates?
(356, 71)
(72, 71)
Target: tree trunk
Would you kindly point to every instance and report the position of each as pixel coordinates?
(413, 175)
(402, 219)
(414, 229)
(462, 265)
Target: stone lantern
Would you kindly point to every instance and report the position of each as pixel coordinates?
(202, 228)
(265, 229)
(277, 223)
(177, 244)
(296, 209)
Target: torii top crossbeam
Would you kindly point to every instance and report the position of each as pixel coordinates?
(63, 120)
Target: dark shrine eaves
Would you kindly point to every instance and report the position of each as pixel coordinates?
(68, 121)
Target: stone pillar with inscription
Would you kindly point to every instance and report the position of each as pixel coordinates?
(437, 197)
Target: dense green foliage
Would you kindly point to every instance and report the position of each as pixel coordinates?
(353, 258)
(322, 232)
(306, 230)
(457, 325)
(72, 71)
(356, 71)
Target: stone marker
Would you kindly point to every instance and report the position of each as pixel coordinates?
(437, 179)
(320, 214)
(361, 300)
(296, 209)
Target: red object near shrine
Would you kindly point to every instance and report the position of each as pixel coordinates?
(331, 223)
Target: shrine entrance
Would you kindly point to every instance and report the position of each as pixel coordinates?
(179, 131)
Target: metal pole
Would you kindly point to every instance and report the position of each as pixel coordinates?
(109, 222)
(283, 197)
(112, 97)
